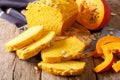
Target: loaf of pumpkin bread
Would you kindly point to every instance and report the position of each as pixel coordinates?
(67, 68)
(56, 15)
(25, 38)
(63, 50)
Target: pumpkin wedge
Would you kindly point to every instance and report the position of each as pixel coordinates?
(113, 47)
(105, 40)
(116, 66)
(106, 64)
(93, 14)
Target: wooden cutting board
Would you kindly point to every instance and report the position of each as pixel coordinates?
(12, 68)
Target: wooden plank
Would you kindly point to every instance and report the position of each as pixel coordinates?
(47, 76)
(11, 68)
(25, 70)
(88, 73)
(7, 60)
(115, 8)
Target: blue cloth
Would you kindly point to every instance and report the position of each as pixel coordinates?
(9, 10)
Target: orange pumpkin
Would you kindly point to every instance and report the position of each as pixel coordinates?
(93, 14)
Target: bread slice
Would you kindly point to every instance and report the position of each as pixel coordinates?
(67, 68)
(34, 48)
(81, 32)
(63, 50)
(25, 38)
(55, 15)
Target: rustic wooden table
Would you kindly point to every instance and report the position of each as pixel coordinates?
(11, 68)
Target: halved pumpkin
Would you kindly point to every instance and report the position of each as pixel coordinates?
(93, 14)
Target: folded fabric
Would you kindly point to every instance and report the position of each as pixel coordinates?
(14, 3)
(10, 11)
(14, 13)
(11, 19)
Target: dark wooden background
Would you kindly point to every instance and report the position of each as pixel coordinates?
(11, 68)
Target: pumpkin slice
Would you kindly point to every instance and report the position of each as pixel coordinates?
(93, 14)
(25, 38)
(116, 66)
(63, 50)
(106, 64)
(105, 40)
(111, 47)
(64, 68)
(34, 48)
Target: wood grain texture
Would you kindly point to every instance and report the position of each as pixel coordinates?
(11, 68)
(115, 8)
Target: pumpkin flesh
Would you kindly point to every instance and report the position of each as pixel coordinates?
(92, 13)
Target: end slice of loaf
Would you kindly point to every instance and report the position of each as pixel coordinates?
(63, 50)
(67, 68)
(25, 38)
(55, 15)
(34, 48)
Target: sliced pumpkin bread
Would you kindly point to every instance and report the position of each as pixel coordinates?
(63, 50)
(25, 38)
(67, 68)
(55, 15)
(34, 48)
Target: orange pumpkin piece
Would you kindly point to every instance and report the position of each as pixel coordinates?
(105, 40)
(116, 66)
(93, 14)
(106, 64)
(113, 47)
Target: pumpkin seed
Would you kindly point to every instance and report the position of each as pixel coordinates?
(51, 42)
(63, 52)
(79, 51)
(111, 33)
(113, 14)
(110, 29)
(55, 6)
(51, 0)
(66, 56)
(36, 68)
(50, 4)
(94, 39)
(58, 3)
(71, 68)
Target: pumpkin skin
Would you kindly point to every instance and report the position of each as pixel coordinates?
(95, 16)
(106, 15)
